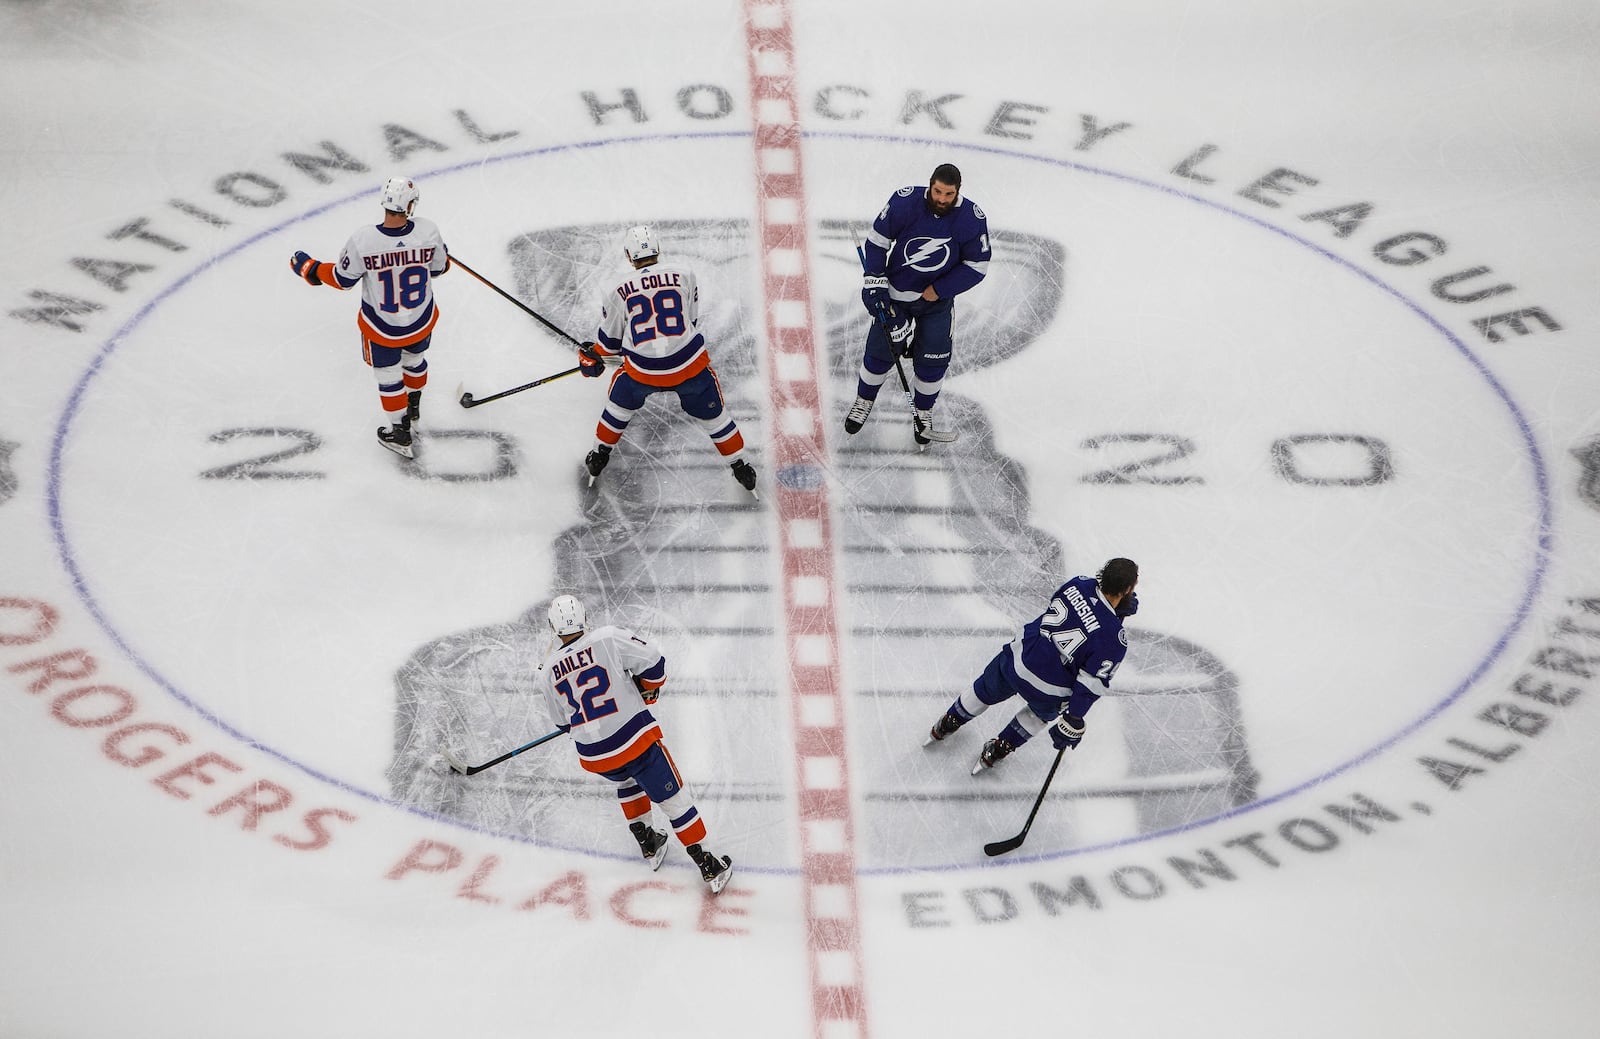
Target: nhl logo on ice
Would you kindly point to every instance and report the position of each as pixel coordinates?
(1183, 387)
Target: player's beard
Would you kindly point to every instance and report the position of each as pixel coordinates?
(942, 208)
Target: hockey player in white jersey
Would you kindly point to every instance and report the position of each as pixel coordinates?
(395, 262)
(650, 319)
(599, 685)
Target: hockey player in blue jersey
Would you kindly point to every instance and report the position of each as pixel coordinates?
(926, 247)
(1060, 665)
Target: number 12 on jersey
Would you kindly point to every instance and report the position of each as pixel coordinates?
(587, 693)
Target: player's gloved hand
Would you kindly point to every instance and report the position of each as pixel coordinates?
(1129, 605)
(589, 363)
(303, 265)
(901, 330)
(648, 695)
(1066, 731)
(875, 293)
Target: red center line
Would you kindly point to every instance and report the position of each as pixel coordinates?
(794, 367)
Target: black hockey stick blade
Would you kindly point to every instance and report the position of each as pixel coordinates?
(1009, 844)
(1013, 843)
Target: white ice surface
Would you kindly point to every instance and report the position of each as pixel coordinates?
(264, 622)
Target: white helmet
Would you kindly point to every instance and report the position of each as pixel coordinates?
(641, 244)
(566, 615)
(399, 195)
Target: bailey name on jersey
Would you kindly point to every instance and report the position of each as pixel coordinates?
(567, 665)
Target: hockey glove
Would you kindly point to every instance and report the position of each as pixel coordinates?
(901, 331)
(589, 362)
(1067, 731)
(875, 294)
(1129, 605)
(648, 695)
(303, 265)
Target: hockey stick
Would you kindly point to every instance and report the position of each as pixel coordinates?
(471, 770)
(546, 322)
(467, 400)
(1013, 843)
(925, 431)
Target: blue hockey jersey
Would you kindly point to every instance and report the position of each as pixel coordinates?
(916, 248)
(1072, 650)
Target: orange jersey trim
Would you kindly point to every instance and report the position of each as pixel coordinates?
(626, 754)
(682, 375)
(418, 336)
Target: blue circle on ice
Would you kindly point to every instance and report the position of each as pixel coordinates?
(810, 477)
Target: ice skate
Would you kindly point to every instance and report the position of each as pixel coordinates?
(745, 473)
(714, 871)
(652, 843)
(397, 438)
(923, 433)
(858, 415)
(413, 407)
(595, 461)
(993, 753)
(947, 724)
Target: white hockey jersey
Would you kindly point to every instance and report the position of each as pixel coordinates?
(396, 266)
(652, 319)
(589, 685)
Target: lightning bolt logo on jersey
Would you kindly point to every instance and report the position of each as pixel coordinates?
(926, 254)
(916, 247)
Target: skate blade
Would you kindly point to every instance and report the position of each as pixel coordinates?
(720, 881)
(660, 855)
(404, 451)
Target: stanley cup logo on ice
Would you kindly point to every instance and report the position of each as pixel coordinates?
(937, 561)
